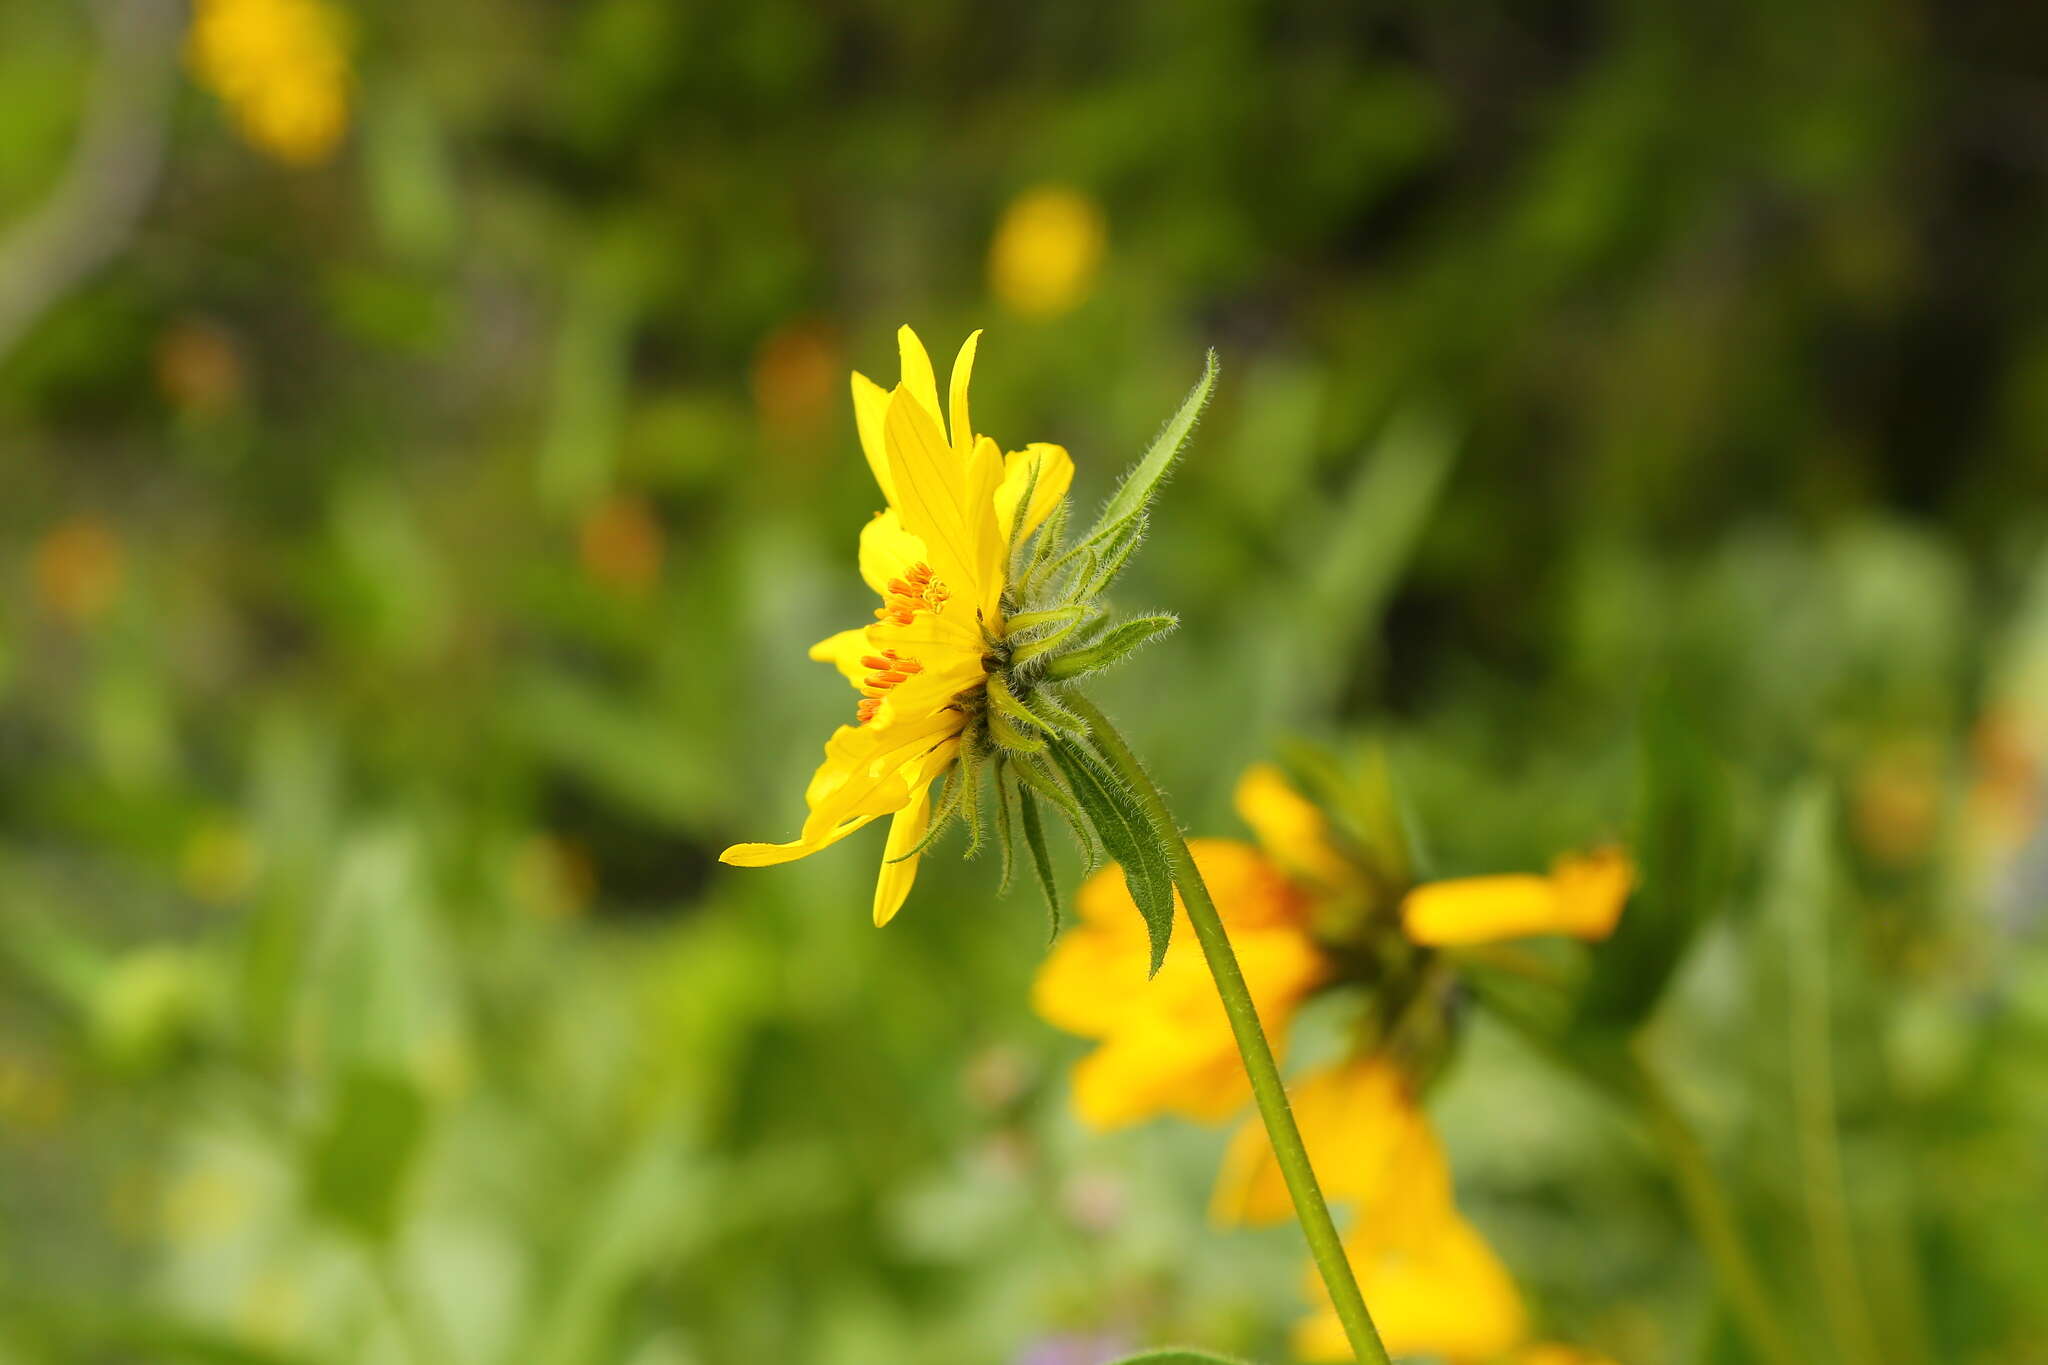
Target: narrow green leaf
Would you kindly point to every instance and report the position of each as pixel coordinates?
(1137, 489)
(1041, 858)
(1005, 840)
(1179, 1355)
(970, 797)
(1113, 555)
(1042, 780)
(1122, 640)
(1127, 836)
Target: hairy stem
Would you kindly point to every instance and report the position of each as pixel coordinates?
(1267, 1089)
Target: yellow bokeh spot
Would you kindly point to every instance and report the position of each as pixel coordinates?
(282, 69)
(79, 569)
(1047, 251)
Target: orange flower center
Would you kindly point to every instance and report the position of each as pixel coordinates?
(917, 589)
(889, 668)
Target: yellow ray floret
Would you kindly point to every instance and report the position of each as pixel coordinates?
(935, 555)
(1583, 896)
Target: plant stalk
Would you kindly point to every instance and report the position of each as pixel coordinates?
(1713, 1219)
(1309, 1205)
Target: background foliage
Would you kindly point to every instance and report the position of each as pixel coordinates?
(407, 550)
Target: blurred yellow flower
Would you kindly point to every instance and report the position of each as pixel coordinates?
(1166, 1045)
(936, 556)
(1366, 1138)
(1047, 251)
(1583, 897)
(1441, 1294)
(281, 67)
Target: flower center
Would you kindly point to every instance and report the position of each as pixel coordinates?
(889, 668)
(918, 588)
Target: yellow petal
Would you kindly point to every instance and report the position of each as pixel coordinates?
(1369, 1143)
(1592, 888)
(962, 428)
(917, 371)
(1292, 829)
(870, 407)
(1166, 1044)
(905, 830)
(843, 651)
(1582, 897)
(931, 494)
(1444, 1295)
(1055, 475)
(887, 550)
(1092, 979)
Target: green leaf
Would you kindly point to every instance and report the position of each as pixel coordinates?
(1179, 1355)
(1139, 486)
(357, 1165)
(1123, 639)
(1683, 847)
(1127, 836)
(1041, 858)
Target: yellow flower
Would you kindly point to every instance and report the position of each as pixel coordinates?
(1166, 1045)
(1582, 897)
(1366, 1138)
(1047, 250)
(1442, 1294)
(281, 67)
(936, 557)
(1434, 1285)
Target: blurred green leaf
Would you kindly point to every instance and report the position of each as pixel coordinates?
(1179, 1355)
(358, 1162)
(1684, 857)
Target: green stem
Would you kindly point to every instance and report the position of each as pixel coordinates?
(1713, 1219)
(1309, 1206)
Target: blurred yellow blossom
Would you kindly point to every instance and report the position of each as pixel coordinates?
(1166, 1045)
(281, 67)
(1047, 251)
(1366, 1138)
(1442, 1294)
(1582, 897)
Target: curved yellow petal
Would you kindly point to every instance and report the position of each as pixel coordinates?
(917, 371)
(961, 426)
(843, 651)
(870, 406)
(887, 550)
(932, 495)
(908, 826)
(1291, 828)
(1583, 897)
(1055, 475)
